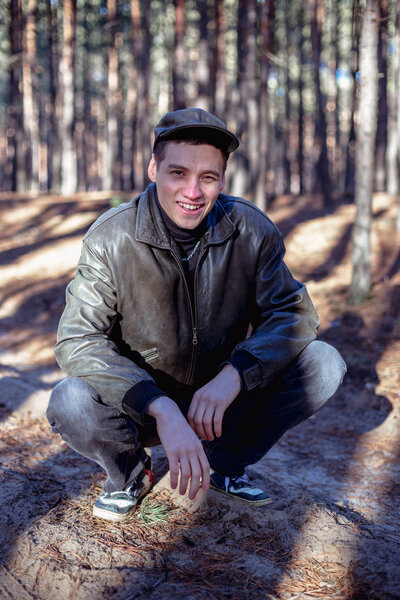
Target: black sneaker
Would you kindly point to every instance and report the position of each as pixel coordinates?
(119, 505)
(240, 488)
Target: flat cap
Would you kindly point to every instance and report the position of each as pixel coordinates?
(194, 119)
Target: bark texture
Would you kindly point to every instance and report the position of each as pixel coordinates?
(365, 154)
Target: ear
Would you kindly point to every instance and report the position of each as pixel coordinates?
(152, 169)
(222, 185)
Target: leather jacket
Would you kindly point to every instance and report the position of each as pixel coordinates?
(129, 319)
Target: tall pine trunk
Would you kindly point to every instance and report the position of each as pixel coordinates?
(381, 134)
(393, 149)
(69, 178)
(16, 150)
(53, 161)
(202, 66)
(316, 9)
(267, 22)
(238, 110)
(178, 73)
(112, 155)
(365, 154)
(219, 84)
(30, 99)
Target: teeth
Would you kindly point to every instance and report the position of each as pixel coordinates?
(189, 206)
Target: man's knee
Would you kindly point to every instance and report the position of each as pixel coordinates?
(326, 366)
(66, 402)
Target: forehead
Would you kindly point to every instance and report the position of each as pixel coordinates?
(193, 156)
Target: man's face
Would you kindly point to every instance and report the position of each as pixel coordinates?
(188, 181)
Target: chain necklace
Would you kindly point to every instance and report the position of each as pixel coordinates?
(193, 252)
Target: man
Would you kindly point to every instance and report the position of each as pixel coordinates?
(184, 326)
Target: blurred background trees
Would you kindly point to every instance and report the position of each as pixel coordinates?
(82, 82)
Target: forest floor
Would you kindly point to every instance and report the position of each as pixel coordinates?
(332, 530)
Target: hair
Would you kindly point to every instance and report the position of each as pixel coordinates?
(187, 137)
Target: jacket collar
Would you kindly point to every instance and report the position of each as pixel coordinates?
(151, 229)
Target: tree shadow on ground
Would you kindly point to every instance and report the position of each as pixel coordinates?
(337, 435)
(36, 231)
(335, 257)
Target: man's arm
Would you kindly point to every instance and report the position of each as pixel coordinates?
(183, 448)
(283, 320)
(284, 323)
(84, 349)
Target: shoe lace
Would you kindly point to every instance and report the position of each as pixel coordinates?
(238, 482)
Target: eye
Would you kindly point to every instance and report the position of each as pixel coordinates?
(209, 178)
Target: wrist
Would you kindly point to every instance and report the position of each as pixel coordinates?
(161, 407)
(233, 377)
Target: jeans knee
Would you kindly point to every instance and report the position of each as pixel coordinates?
(328, 364)
(63, 402)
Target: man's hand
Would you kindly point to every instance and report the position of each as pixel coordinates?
(183, 448)
(210, 402)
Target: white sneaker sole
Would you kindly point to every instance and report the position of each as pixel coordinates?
(235, 497)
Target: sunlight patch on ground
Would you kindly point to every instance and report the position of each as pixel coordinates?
(61, 226)
(49, 262)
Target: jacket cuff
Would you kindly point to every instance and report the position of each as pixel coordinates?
(137, 399)
(248, 368)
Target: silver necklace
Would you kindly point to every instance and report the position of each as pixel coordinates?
(193, 252)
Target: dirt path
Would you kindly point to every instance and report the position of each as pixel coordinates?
(332, 530)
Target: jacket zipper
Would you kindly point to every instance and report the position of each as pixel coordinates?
(193, 311)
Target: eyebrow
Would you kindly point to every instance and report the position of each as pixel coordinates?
(183, 168)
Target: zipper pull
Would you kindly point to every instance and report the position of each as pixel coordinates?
(194, 339)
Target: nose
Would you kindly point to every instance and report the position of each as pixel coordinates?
(192, 190)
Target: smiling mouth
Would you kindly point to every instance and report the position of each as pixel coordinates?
(189, 206)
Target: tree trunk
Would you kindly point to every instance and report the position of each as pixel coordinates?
(67, 88)
(301, 105)
(16, 152)
(202, 66)
(30, 99)
(381, 134)
(238, 106)
(351, 146)
(52, 101)
(365, 150)
(178, 74)
(219, 84)
(397, 96)
(147, 125)
(252, 99)
(267, 22)
(393, 149)
(112, 157)
(316, 9)
(139, 92)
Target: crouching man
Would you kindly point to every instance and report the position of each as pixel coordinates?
(183, 326)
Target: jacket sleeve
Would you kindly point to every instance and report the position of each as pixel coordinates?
(284, 320)
(85, 349)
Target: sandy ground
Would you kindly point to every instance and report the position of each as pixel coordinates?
(332, 530)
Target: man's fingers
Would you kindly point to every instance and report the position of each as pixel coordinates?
(185, 476)
(195, 480)
(205, 472)
(208, 423)
(218, 416)
(198, 422)
(174, 472)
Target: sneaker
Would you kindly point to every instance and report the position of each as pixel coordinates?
(117, 506)
(240, 488)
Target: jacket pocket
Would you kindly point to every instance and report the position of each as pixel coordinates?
(150, 354)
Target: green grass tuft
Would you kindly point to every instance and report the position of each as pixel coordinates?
(153, 513)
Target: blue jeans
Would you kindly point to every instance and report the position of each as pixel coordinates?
(252, 424)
